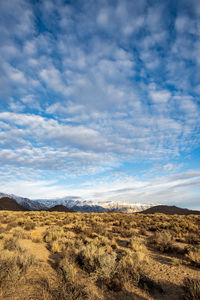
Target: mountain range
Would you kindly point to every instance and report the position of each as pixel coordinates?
(77, 204)
(25, 202)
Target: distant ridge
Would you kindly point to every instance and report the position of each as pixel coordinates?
(60, 208)
(170, 210)
(25, 202)
(7, 203)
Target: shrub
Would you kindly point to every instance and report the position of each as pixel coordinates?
(105, 267)
(194, 256)
(57, 247)
(192, 288)
(162, 241)
(192, 238)
(128, 268)
(69, 269)
(19, 233)
(29, 225)
(126, 233)
(11, 243)
(13, 265)
(53, 234)
(36, 238)
(69, 285)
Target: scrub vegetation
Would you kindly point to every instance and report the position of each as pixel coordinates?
(58, 256)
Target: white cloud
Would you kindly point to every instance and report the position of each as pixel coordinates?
(103, 17)
(52, 78)
(97, 85)
(160, 96)
(30, 48)
(176, 189)
(15, 75)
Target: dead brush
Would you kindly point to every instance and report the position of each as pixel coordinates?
(192, 289)
(194, 255)
(13, 265)
(69, 286)
(89, 254)
(126, 233)
(105, 268)
(57, 246)
(2, 229)
(163, 241)
(53, 234)
(68, 268)
(10, 271)
(10, 243)
(129, 269)
(36, 238)
(29, 225)
(108, 269)
(11, 225)
(87, 257)
(19, 233)
(139, 248)
(192, 238)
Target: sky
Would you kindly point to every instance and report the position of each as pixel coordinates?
(100, 100)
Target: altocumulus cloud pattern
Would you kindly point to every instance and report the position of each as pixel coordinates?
(100, 99)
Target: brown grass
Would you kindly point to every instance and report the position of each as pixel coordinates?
(98, 256)
(192, 287)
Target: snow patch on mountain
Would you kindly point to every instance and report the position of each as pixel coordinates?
(25, 202)
(79, 204)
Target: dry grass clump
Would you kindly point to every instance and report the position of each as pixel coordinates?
(29, 225)
(23, 222)
(10, 242)
(194, 255)
(19, 233)
(192, 238)
(57, 247)
(129, 268)
(53, 234)
(163, 241)
(175, 261)
(192, 288)
(139, 248)
(70, 286)
(126, 233)
(55, 238)
(35, 237)
(14, 263)
(89, 254)
(110, 269)
(105, 268)
(2, 229)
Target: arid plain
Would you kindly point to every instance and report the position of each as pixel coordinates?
(58, 255)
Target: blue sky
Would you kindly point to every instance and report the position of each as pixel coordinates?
(100, 99)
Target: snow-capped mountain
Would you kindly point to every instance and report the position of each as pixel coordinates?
(66, 201)
(25, 202)
(125, 207)
(78, 204)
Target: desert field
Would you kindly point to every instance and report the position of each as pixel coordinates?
(57, 256)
